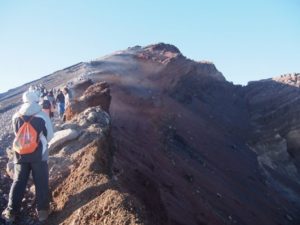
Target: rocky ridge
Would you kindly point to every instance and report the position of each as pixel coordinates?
(180, 144)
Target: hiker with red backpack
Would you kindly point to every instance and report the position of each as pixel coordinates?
(33, 129)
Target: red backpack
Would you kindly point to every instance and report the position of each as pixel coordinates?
(26, 140)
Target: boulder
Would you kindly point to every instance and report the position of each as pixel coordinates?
(61, 138)
(91, 117)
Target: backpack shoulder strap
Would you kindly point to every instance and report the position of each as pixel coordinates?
(22, 117)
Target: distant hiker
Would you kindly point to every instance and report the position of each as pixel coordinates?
(46, 106)
(60, 100)
(44, 92)
(54, 90)
(68, 96)
(51, 98)
(33, 130)
(31, 88)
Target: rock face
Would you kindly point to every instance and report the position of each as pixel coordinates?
(274, 108)
(180, 144)
(274, 113)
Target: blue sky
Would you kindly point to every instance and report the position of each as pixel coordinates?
(247, 40)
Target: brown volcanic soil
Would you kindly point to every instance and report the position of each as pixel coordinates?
(89, 196)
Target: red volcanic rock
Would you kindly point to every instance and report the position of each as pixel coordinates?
(79, 88)
(161, 53)
(97, 94)
(163, 47)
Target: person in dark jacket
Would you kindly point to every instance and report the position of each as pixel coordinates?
(35, 162)
(60, 100)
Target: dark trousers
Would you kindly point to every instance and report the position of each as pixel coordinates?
(40, 176)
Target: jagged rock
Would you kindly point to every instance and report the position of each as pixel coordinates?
(163, 47)
(290, 79)
(79, 88)
(96, 95)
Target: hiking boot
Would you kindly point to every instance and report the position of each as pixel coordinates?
(43, 214)
(8, 216)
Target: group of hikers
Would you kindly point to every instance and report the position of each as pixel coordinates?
(33, 130)
(53, 99)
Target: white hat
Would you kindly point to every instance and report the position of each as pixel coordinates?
(30, 97)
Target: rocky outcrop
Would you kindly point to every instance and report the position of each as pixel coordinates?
(79, 88)
(94, 95)
(91, 124)
(292, 79)
(161, 53)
